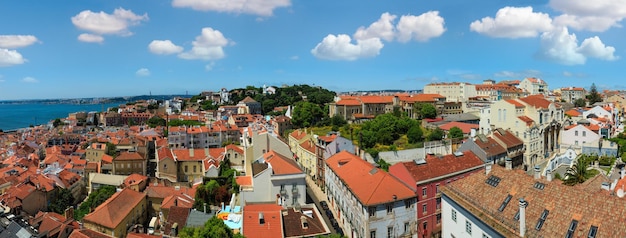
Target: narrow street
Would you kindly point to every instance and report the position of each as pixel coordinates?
(315, 195)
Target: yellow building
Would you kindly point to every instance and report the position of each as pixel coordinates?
(118, 213)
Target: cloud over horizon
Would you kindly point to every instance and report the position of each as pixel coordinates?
(101, 23)
(254, 7)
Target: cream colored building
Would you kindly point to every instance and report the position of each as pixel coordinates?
(454, 92)
(534, 86)
(533, 119)
(118, 213)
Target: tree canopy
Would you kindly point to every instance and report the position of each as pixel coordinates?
(580, 102)
(428, 111)
(95, 198)
(594, 96)
(577, 173)
(156, 121)
(213, 228)
(306, 114)
(63, 200)
(436, 134)
(455, 132)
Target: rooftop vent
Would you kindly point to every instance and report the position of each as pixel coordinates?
(458, 153)
(505, 202)
(593, 231)
(373, 171)
(571, 229)
(539, 185)
(542, 219)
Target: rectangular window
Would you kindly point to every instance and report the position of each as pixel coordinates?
(373, 234)
(438, 203)
(575, 133)
(186, 168)
(407, 203)
(437, 188)
(390, 232)
(584, 133)
(454, 215)
(424, 192)
(424, 208)
(194, 168)
(372, 211)
(407, 228)
(468, 227)
(389, 207)
(438, 219)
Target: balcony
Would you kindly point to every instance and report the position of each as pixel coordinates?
(294, 191)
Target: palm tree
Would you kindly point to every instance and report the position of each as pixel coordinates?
(577, 173)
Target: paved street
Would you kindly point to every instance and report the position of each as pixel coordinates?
(315, 195)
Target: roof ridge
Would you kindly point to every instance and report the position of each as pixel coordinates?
(375, 188)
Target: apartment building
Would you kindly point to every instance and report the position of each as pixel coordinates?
(368, 201)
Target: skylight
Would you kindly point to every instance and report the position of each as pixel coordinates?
(505, 202)
(542, 219)
(593, 231)
(493, 180)
(571, 229)
(539, 185)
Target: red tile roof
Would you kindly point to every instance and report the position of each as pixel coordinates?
(244, 180)
(507, 137)
(113, 211)
(514, 102)
(86, 233)
(177, 200)
(128, 156)
(537, 101)
(465, 127)
(564, 203)
(282, 165)
(372, 186)
(490, 146)
(272, 226)
(527, 120)
(437, 167)
(349, 102)
(134, 179)
(573, 113)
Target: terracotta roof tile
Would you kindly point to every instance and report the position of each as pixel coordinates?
(564, 203)
(349, 102)
(514, 102)
(527, 120)
(537, 101)
(465, 127)
(438, 166)
(282, 165)
(113, 211)
(128, 156)
(244, 180)
(272, 217)
(369, 184)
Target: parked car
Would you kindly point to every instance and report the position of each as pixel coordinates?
(329, 214)
(324, 205)
(334, 223)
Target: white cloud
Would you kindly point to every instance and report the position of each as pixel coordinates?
(207, 46)
(254, 7)
(295, 57)
(16, 41)
(340, 47)
(101, 23)
(420, 28)
(383, 28)
(574, 75)
(513, 22)
(164, 47)
(30, 80)
(581, 15)
(10, 58)
(91, 38)
(593, 47)
(143, 72)
(562, 47)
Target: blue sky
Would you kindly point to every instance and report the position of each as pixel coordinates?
(120, 48)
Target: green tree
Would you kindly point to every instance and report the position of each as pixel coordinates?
(57, 122)
(156, 121)
(213, 228)
(367, 139)
(95, 198)
(594, 96)
(306, 114)
(581, 102)
(62, 200)
(383, 164)
(455, 133)
(415, 134)
(428, 111)
(185, 123)
(436, 134)
(111, 149)
(577, 173)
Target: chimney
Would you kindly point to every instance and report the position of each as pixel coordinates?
(69, 213)
(508, 163)
(487, 169)
(537, 172)
(261, 218)
(522, 217)
(191, 152)
(549, 175)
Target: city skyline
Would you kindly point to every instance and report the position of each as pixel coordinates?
(124, 48)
